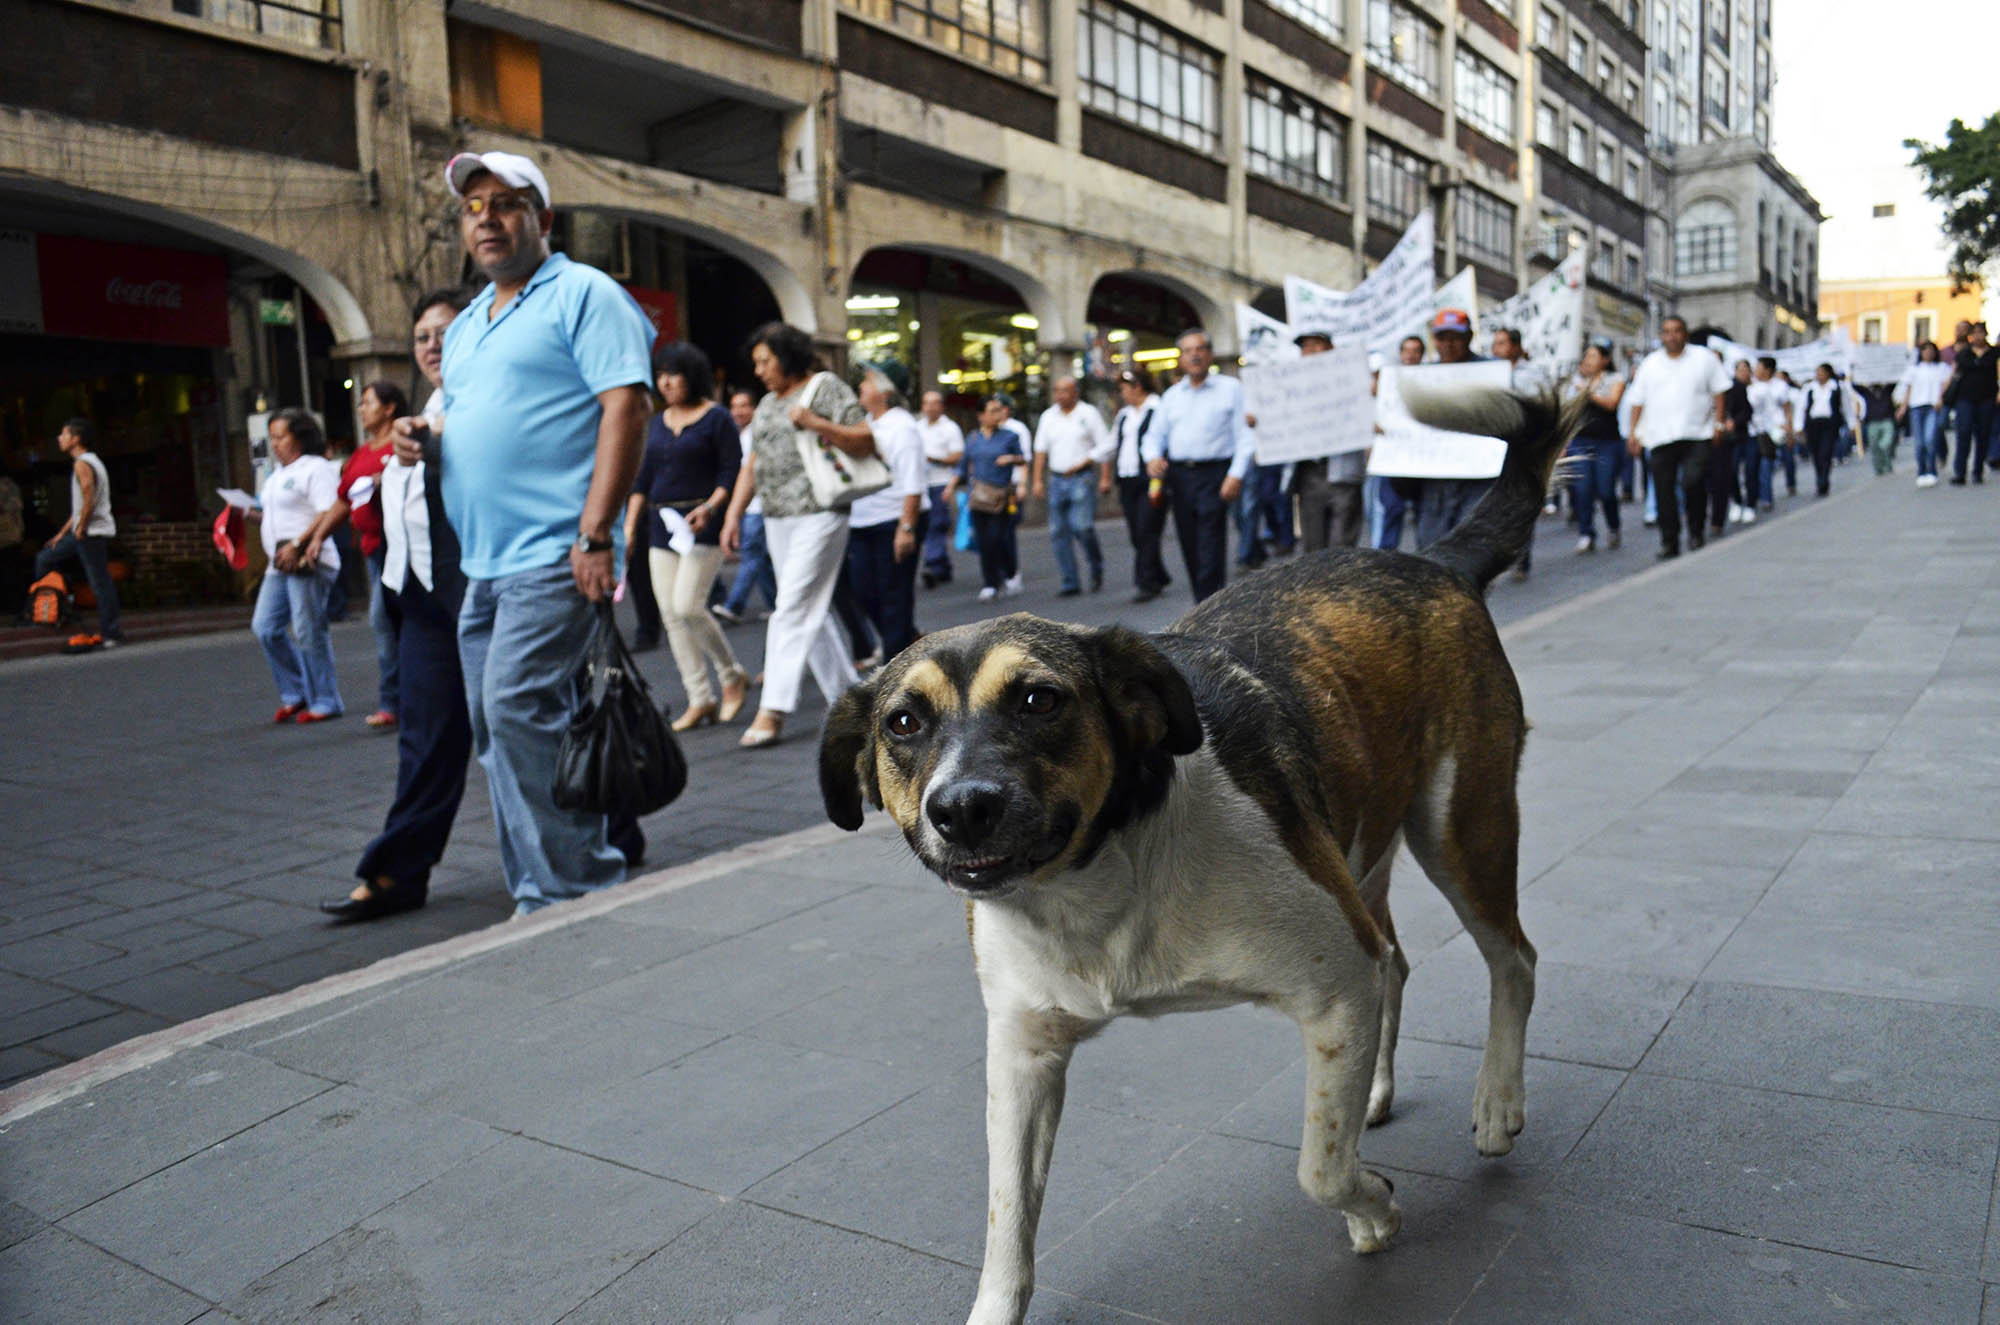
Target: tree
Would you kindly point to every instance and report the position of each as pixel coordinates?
(1964, 174)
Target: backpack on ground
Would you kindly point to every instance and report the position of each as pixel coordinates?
(49, 600)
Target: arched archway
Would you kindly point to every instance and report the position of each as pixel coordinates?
(1135, 317)
(794, 301)
(969, 327)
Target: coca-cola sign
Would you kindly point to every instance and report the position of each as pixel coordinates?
(132, 292)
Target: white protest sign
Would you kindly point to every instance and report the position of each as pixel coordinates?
(1408, 449)
(1549, 316)
(1310, 407)
(1460, 292)
(1798, 360)
(1264, 339)
(1876, 364)
(1375, 313)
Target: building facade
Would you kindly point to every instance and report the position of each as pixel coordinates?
(1899, 311)
(992, 194)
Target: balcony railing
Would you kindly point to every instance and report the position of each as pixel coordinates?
(307, 22)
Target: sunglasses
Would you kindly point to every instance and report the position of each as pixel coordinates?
(499, 204)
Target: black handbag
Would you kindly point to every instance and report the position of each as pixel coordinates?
(619, 756)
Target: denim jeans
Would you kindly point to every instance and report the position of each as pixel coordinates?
(520, 639)
(290, 622)
(1073, 519)
(1445, 504)
(383, 625)
(885, 588)
(1596, 482)
(1754, 471)
(1274, 504)
(1390, 508)
(1924, 432)
(937, 542)
(1247, 515)
(89, 550)
(1788, 456)
(1974, 425)
(754, 570)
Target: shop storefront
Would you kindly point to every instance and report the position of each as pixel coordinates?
(953, 326)
(1132, 323)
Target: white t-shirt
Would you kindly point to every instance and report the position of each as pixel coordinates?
(1076, 438)
(1020, 430)
(901, 446)
(942, 438)
(1677, 395)
(1922, 384)
(296, 495)
(1767, 407)
(1820, 400)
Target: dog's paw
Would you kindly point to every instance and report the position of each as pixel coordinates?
(1497, 1118)
(1007, 1306)
(1369, 1233)
(1380, 1098)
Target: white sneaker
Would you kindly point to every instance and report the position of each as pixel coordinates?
(1735, 513)
(1927, 480)
(1586, 544)
(1013, 586)
(988, 594)
(1749, 515)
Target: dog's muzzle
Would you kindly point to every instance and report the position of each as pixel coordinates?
(984, 849)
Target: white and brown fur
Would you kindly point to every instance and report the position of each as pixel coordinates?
(1151, 824)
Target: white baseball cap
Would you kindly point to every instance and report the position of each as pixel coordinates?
(515, 171)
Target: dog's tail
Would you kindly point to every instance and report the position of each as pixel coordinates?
(1537, 429)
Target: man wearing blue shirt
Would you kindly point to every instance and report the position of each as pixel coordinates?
(545, 403)
(1200, 443)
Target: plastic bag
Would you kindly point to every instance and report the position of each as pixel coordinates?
(963, 536)
(619, 756)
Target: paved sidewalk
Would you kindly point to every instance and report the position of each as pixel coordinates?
(1760, 854)
(162, 846)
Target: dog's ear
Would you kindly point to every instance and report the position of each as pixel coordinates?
(1146, 694)
(847, 756)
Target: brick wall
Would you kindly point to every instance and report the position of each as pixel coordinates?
(173, 563)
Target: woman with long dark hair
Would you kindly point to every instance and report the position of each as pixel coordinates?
(1920, 399)
(1598, 448)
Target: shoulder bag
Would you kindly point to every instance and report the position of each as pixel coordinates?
(837, 477)
(619, 756)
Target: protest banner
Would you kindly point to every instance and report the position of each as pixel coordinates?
(1876, 364)
(1264, 339)
(1309, 407)
(1549, 316)
(1374, 313)
(1798, 360)
(1405, 448)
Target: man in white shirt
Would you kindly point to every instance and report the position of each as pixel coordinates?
(1073, 452)
(1144, 499)
(1677, 412)
(1770, 428)
(885, 528)
(944, 443)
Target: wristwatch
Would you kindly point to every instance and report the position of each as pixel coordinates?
(907, 528)
(584, 543)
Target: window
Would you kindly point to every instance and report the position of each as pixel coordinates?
(308, 22)
(1147, 75)
(1883, 209)
(1715, 94)
(1326, 17)
(1634, 179)
(1705, 240)
(1633, 280)
(1485, 96)
(1548, 125)
(1579, 146)
(1921, 326)
(1011, 36)
(1579, 53)
(1398, 183)
(1872, 327)
(1632, 97)
(1403, 44)
(1548, 28)
(1607, 74)
(1763, 242)
(1604, 261)
(1291, 140)
(1485, 228)
(1607, 163)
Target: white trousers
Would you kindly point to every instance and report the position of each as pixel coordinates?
(680, 586)
(806, 552)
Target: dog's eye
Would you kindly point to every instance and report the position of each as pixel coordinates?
(904, 723)
(1041, 701)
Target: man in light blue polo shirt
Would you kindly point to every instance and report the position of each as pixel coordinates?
(545, 405)
(1200, 442)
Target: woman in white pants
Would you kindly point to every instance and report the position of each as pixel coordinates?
(692, 456)
(807, 542)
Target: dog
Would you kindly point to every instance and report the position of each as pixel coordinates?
(1207, 816)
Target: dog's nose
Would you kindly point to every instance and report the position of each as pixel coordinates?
(966, 813)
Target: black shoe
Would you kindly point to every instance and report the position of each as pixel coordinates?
(1096, 580)
(1071, 592)
(930, 580)
(645, 643)
(1145, 596)
(1696, 542)
(376, 904)
(1666, 554)
(1958, 482)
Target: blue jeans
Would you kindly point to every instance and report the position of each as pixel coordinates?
(1390, 508)
(1274, 504)
(884, 588)
(90, 551)
(937, 542)
(1924, 432)
(1248, 517)
(1596, 482)
(520, 639)
(290, 622)
(753, 569)
(384, 626)
(1974, 425)
(1072, 519)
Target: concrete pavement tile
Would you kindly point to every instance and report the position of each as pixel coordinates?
(885, 922)
(18, 1223)
(1989, 1314)
(736, 903)
(1638, 935)
(1841, 1046)
(587, 955)
(899, 1016)
(1578, 1263)
(1583, 1014)
(312, 934)
(1888, 1184)
(916, 1174)
(55, 1278)
(521, 1232)
(735, 1112)
(1430, 1128)
(375, 1035)
(54, 955)
(24, 1061)
(746, 1263)
(85, 1147)
(302, 968)
(1892, 805)
(1188, 1069)
(137, 892)
(868, 856)
(145, 961)
(86, 1038)
(182, 993)
(1724, 778)
(18, 994)
(52, 1017)
(1223, 1233)
(225, 1217)
(74, 918)
(259, 918)
(1886, 917)
(1642, 836)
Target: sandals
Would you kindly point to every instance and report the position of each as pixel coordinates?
(735, 693)
(695, 717)
(757, 737)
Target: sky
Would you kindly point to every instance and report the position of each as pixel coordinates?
(1854, 78)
